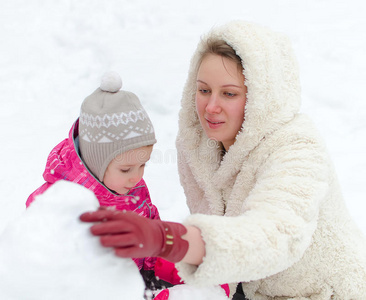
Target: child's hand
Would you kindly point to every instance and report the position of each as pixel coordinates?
(134, 236)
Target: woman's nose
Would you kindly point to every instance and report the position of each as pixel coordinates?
(213, 105)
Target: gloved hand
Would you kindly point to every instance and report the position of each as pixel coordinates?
(134, 236)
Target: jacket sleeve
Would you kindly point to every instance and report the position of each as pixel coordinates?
(37, 192)
(53, 160)
(276, 224)
(194, 194)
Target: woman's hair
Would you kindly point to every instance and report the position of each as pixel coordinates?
(220, 47)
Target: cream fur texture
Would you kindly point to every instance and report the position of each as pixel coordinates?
(270, 210)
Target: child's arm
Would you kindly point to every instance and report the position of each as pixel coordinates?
(37, 192)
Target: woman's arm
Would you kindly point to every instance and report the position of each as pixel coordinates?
(135, 236)
(196, 250)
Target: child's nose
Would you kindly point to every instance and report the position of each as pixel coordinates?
(135, 178)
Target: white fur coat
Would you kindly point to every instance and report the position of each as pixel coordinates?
(270, 210)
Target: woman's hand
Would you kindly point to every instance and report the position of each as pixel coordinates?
(134, 236)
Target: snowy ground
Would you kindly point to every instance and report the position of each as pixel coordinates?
(54, 52)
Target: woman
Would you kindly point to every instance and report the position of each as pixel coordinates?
(267, 210)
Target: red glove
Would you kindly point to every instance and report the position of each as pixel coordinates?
(134, 236)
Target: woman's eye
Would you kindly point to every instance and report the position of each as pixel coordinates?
(230, 94)
(204, 91)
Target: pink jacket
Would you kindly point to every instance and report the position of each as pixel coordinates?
(64, 162)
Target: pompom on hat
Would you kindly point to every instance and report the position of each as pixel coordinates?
(112, 121)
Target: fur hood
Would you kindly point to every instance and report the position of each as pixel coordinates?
(269, 62)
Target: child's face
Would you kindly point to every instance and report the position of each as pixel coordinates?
(126, 169)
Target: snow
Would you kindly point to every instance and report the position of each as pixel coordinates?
(185, 292)
(53, 54)
(50, 254)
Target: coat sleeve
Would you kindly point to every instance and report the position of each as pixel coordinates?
(37, 192)
(194, 194)
(276, 224)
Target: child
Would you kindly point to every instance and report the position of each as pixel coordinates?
(106, 152)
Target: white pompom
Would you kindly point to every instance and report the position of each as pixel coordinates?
(111, 82)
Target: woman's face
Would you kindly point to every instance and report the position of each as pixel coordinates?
(220, 98)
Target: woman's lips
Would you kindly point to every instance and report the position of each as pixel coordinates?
(213, 124)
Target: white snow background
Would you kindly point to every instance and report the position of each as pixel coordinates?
(53, 54)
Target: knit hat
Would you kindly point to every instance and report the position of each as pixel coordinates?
(112, 121)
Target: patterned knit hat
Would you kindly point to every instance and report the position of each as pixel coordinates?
(111, 122)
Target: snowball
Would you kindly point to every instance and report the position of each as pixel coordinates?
(48, 253)
(111, 82)
(187, 292)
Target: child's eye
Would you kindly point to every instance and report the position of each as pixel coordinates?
(125, 170)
